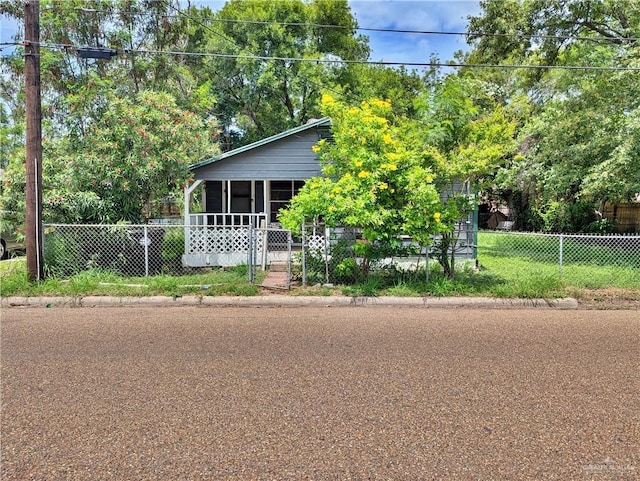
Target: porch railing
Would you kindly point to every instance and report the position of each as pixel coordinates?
(227, 220)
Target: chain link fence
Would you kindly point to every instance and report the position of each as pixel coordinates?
(563, 250)
(147, 250)
(126, 250)
(319, 255)
(271, 248)
(329, 255)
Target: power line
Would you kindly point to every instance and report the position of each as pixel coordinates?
(428, 32)
(391, 30)
(352, 62)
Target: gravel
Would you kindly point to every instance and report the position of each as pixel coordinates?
(340, 393)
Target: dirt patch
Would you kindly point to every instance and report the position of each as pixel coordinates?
(611, 298)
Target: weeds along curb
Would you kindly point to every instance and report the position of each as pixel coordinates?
(288, 301)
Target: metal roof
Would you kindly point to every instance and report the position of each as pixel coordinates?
(323, 122)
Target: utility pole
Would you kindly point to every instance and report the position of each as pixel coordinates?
(33, 227)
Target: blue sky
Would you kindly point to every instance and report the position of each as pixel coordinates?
(432, 15)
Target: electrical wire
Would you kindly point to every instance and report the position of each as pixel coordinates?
(362, 62)
(430, 32)
(390, 30)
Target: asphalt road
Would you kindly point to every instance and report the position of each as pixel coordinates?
(319, 393)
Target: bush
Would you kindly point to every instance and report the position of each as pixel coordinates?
(562, 217)
(602, 226)
(63, 253)
(172, 250)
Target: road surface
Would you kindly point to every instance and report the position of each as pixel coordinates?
(319, 393)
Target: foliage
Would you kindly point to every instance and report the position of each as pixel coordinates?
(568, 217)
(172, 250)
(392, 176)
(372, 179)
(465, 137)
(335, 266)
(579, 137)
(138, 151)
(263, 96)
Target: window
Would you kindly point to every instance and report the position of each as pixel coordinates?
(280, 194)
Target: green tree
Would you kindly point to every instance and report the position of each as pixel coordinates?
(261, 97)
(579, 135)
(465, 137)
(138, 152)
(391, 176)
(75, 89)
(372, 179)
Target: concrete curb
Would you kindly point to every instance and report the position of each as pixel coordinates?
(288, 301)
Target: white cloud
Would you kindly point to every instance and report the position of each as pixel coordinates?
(431, 15)
(425, 15)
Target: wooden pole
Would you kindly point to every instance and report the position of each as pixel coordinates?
(33, 227)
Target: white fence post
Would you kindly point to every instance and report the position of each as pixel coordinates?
(250, 263)
(560, 256)
(145, 240)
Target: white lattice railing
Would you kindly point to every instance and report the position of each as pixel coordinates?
(217, 239)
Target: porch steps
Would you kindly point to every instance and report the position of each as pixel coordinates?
(278, 266)
(277, 276)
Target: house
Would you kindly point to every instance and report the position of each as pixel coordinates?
(246, 187)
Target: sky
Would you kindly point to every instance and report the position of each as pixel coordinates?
(430, 15)
(424, 15)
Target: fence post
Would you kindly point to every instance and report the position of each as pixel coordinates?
(304, 257)
(289, 242)
(560, 257)
(250, 255)
(145, 241)
(265, 248)
(254, 253)
(327, 233)
(426, 260)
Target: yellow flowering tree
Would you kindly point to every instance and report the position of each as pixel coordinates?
(373, 178)
(392, 176)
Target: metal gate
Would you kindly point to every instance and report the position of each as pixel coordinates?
(270, 250)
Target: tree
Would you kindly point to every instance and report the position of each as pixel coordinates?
(397, 85)
(372, 179)
(392, 176)
(578, 138)
(138, 152)
(463, 144)
(264, 96)
(75, 89)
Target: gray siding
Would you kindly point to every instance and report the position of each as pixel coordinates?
(290, 158)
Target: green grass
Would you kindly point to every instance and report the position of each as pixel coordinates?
(528, 260)
(232, 282)
(509, 266)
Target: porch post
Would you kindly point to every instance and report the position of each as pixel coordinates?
(188, 190)
(267, 207)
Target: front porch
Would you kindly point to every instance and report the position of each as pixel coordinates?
(223, 234)
(243, 190)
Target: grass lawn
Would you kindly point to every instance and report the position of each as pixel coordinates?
(505, 270)
(230, 282)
